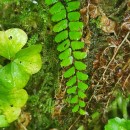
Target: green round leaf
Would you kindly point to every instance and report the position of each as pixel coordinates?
(14, 97)
(11, 41)
(3, 121)
(81, 128)
(29, 59)
(11, 113)
(17, 98)
(118, 124)
(13, 76)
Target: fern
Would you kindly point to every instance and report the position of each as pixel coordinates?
(69, 32)
(32, 40)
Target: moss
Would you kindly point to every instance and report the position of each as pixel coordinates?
(34, 19)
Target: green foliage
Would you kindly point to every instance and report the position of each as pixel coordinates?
(56, 8)
(72, 6)
(41, 88)
(64, 45)
(65, 54)
(11, 41)
(79, 55)
(61, 36)
(15, 75)
(118, 124)
(75, 35)
(60, 26)
(49, 2)
(73, 16)
(81, 128)
(66, 62)
(120, 104)
(76, 45)
(71, 81)
(69, 72)
(69, 33)
(80, 65)
(59, 16)
(33, 17)
(75, 26)
(32, 40)
(72, 90)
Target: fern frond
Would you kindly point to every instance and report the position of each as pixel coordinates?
(50, 2)
(59, 16)
(69, 33)
(65, 54)
(74, 16)
(60, 26)
(61, 36)
(64, 45)
(69, 72)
